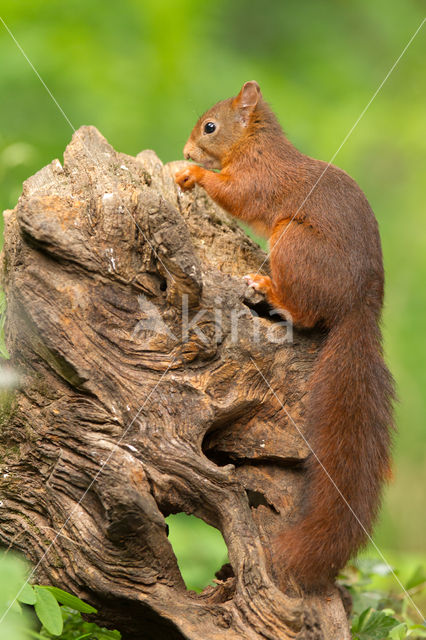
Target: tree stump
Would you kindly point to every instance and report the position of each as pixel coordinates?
(145, 362)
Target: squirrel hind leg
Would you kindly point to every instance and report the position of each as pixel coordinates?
(265, 285)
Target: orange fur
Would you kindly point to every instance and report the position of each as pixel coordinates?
(326, 269)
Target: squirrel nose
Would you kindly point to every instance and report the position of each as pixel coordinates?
(187, 152)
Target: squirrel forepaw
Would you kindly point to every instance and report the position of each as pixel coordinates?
(187, 178)
(260, 283)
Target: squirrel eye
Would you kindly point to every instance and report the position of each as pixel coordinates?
(209, 127)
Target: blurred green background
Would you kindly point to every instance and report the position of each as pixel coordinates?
(142, 72)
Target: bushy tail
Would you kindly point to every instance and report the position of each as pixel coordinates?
(349, 420)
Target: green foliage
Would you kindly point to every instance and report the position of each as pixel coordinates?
(39, 611)
(14, 620)
(69, 600)
(373, 625)
(379, 611)
(200, 550)
(75, 628)
(48, 611)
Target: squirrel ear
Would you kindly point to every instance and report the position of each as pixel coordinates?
(248, 98)
(250, 94)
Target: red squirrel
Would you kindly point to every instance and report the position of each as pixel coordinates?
(326, 270)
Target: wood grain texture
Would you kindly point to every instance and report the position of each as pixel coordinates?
(140, 398)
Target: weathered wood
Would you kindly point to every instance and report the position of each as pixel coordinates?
(138, 344)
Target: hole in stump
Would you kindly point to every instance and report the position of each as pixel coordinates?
(200, 550)
(256, 499)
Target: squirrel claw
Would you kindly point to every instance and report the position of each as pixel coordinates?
(185, 179)
(250, 281)
(257, 282)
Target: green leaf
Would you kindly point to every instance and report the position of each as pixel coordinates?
(4, 353)
(48, 611)
(27, 595)
(399, 632)
(69, 600)
(373, 625)
(363, 600)
(34, 634)
(418, 577)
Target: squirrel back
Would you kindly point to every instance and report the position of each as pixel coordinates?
(326, 269)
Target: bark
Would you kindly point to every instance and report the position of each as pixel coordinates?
(139, 347)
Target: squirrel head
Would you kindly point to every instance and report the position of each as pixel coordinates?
(221, 127)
